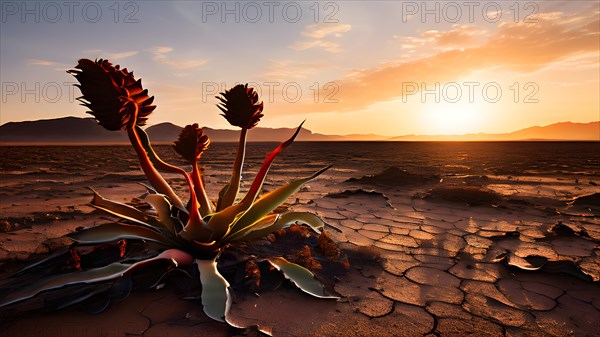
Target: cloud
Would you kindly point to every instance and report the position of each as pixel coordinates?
(110, 56)
(161, 54)
(118, 56)
(47, 63)
(39, 62)
(460, 36)
(328, 46)
(287, 70)
(161, 50)
(515, 47)
(319, 35)
(321, 31)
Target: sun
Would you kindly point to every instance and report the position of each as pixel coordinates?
(447, 118)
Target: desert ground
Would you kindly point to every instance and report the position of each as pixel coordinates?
(481, 239)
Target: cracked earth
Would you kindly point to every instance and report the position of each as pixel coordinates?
(493, 254)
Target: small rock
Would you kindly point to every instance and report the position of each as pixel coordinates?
(5, 226)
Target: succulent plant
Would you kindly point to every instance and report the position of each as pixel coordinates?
(196, 234)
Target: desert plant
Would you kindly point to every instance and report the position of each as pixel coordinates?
(192, 234)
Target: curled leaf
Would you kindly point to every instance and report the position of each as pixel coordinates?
(117, 231)
(300, 277)
(163, 209)
(126, 212)
(215, 290)
(274, 222)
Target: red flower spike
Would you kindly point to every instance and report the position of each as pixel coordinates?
(192, 143)
(109, 93)
(240, 106)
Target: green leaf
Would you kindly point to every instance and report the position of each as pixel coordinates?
(266, 222)
(124, 211)
(221, 222)
(117, 231)
(273, 222)
(163, 208)
(105, 273)
(234, 185)
(215, 293)
(149, 189)
(300, 276)
(270, 201)
(39, 264)
(221, 195)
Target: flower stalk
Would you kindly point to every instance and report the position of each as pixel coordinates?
(195, 229)
(236, 176)
(192, 142)
(241, 108)
(206, 206)
(155, 179)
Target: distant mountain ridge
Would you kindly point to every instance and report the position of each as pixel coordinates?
(567, 131)
(85, 130)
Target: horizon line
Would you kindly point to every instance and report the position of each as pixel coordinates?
(377, 137)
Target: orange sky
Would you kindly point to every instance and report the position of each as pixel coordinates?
(357, 67)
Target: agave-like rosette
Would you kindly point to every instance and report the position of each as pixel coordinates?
(183, 235)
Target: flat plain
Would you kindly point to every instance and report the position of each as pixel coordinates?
(482, 239)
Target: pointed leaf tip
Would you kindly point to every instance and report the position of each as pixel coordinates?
(291, 140)
(300, 276)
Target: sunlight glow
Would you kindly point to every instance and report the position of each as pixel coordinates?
(446, 118)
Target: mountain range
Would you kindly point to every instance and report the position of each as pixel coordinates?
(85, 130)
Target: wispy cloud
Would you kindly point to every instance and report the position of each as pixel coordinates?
(47, 63)
(39, 62)
(460, 36)
(321, 31)
(162, 55)
(514, 47)
(328, 46)
(109, 55)
(286, 70)
(319, 35)
(118, 56)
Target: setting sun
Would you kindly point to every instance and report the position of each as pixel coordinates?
(447, 118)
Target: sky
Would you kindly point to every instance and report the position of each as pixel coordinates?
(347, 67)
